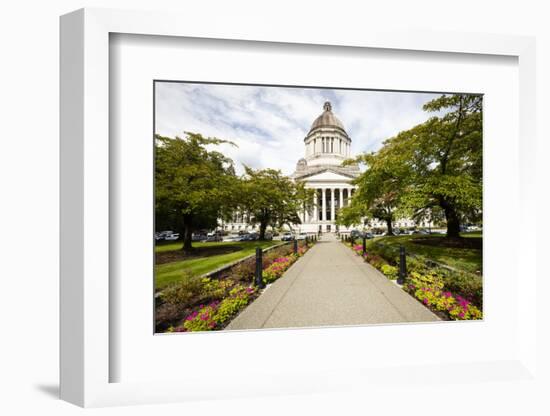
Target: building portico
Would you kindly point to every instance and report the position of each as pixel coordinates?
(327, 145)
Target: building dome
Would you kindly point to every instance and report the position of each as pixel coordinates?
(301, 165)
(327, 119)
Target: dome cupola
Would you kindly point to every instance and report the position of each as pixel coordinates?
(327, 119)
(327, 142)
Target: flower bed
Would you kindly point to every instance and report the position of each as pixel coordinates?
(430, 290)
(452, 296)
(206, 304)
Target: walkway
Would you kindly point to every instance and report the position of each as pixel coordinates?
(331, 285)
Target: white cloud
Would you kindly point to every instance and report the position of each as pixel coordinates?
(269, 123)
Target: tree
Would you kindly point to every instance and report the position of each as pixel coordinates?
(193, 185)
(271, 199)
(379, 190)
(440, 161)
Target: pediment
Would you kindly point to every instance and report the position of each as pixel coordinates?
(326, 175)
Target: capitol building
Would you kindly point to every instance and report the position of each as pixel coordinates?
(327, 145)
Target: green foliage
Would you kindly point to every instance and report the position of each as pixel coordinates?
(465, 285)
(193, 185)
(201, 320)
(277, 268)
(431, 171)
(165, 314)
(432, 291)
(389, 271)
(244, 271)
(230, 306)
(204, 259)
(272, 199)
(186, 292)
(192, 290)
(375, 260)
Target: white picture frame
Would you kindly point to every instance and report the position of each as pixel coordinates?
(85, 217)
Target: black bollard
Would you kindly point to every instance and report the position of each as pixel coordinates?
(364, 246)
(295, 246)
(259, 279)
(402, 266)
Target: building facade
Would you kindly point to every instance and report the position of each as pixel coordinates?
(327, 145)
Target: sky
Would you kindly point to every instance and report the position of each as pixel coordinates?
(268, 124)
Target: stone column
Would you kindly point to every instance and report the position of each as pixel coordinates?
(315, 208)
(332, 209)
(341, 192)
(324, 205)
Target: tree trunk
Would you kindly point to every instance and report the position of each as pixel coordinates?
(389, 225)
(263, 227)
(453, 222)
(187, 236)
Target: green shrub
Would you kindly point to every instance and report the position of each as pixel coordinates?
(375, 260)
(389, 271)
(215, 288)
(416, 265)
(243, 271)
(188, 291)
(230, 306)
(192, 290)
(201, 320)
(167, 314)
(389, 254)
(469, 287)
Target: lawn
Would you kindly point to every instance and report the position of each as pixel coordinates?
(467, 256)
(171, 261)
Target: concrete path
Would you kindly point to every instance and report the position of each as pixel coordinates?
(331, 285)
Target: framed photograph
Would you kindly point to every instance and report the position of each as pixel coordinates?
(328, 209)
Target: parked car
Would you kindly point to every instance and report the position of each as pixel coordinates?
(355, 234)
(172, 237)
(198, 237)
(248, 237)
(301, 236)
(268, 236)
(165, 235)
(287, 237)
(214, 238)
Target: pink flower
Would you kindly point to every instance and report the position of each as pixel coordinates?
(461, 314)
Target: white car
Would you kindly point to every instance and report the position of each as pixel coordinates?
(172, 237)
(301, 236)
